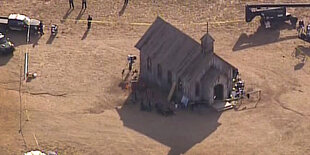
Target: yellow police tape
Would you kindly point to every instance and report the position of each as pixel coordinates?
(148, 24)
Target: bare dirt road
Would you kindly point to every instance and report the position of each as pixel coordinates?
(70, 107)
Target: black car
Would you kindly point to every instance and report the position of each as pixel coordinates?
(6, 47)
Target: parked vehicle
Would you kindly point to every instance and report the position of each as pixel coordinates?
(272, 15)
(18, 22)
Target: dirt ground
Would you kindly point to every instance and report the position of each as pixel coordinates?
(70, 106)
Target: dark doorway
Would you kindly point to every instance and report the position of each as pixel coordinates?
(219, 92)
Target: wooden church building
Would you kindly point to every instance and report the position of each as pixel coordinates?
(171, 59)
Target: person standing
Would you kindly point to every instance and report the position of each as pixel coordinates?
(71, 4)
(89, 19)
(84, 4)
(41, 28)
(126, 2)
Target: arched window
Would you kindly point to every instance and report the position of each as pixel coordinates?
(197, 89)
(159, 71)
(169, 77)
(148, 64)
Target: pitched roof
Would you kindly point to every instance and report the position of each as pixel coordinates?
(174, 50)
(170, 46)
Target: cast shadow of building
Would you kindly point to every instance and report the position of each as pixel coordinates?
(85, 34)
(180, 132)
(51, 39)
(261, 37)
(66, 15)
(82, 11)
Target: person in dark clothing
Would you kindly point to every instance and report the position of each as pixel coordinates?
(131, 59)
(84, 4)
(301, 24)
(71, 4)
(126, 2)
(89, 19)
(41, 28)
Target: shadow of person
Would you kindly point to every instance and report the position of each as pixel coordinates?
(180, 132)
(85, 34)
(51, 39)
(5, 58)
(123, 8)
(66, 15)
(80, 15)
(261, 37)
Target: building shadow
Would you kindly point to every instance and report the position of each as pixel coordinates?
(79, 15)
(66, 15)
(5, 58)
(85, 34)
(180, 132)
(123, 9)
(261, 37)
(20, 37)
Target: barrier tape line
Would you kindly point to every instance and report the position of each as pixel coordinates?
(148, 24)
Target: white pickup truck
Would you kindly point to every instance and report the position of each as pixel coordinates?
(18, 22)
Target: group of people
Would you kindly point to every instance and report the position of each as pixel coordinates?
(301, 24)
(84, 5)
(238, 88)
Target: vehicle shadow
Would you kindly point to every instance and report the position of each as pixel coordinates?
(20, 37)
(180, 131)
(85, 34)
(5, 58)
(80, 15)
(261, 37)
(66, 15)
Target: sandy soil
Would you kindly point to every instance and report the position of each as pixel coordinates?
(70, 107)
